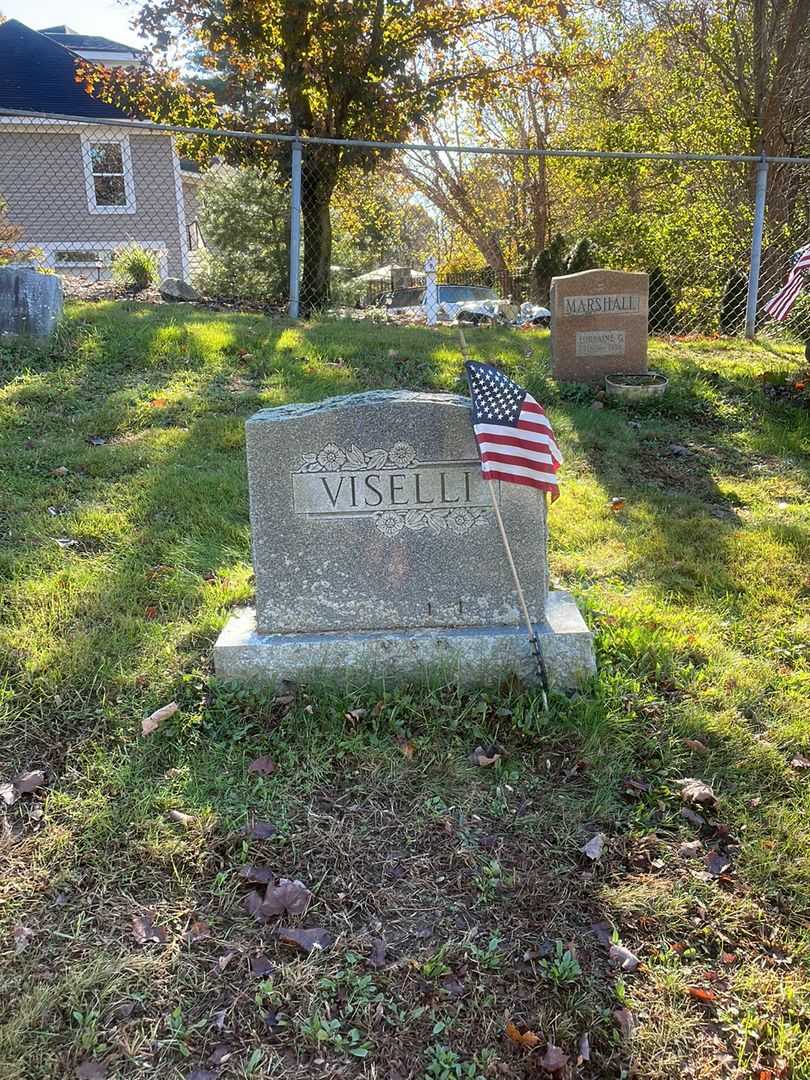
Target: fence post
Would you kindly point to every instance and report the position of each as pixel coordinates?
(295, 230)
(431, 292)
(756, 249)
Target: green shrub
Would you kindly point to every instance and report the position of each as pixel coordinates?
(135, 267)
(663, 319)
(732, 306)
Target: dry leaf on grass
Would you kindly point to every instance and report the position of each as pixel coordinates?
(692, 817)
(252, 903)
(717, 863)
(198, 931)
(584, 1052)
(353, 715)
(624, 1021)
(259, 830)
(260, 966)
(697, 792)
(616, 504)
(28, 782)
(181, 818)
(696, 746)
(263, 766)
(484, 757)
(690, 850)
(8, 793)
(220, 1054)
(153, 722)
(60, 470)
(376, 958)
(799, 761)
(554, 1059)
(222, 962)
(310, 940)
(22, 938)
(702, 995)
(406, 748)
(144, 930)
(527, 1039)
(603, 932)
(257, 875)
(634, 788)
(292, 897)
(202, 1074)
(91, 1070)
(628, 961)
(593, 849)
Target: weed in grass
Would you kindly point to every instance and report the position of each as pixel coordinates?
(562, 968)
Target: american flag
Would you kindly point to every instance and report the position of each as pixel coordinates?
(779, 307)
(515, 439)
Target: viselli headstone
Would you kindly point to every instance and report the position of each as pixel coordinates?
(376, 550)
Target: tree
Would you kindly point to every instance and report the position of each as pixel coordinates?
(368, 69)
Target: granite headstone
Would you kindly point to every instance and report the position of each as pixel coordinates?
(376, 549)
(599, 325)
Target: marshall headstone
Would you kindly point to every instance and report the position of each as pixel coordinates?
(599, 325)
(376, 551)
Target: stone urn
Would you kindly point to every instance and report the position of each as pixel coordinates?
(30, 302)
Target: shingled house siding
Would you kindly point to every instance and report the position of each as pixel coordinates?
(42, 181)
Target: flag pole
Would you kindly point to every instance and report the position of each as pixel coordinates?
(535, 644)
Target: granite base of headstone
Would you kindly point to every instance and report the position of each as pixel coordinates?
(599, 325)
(377, 554)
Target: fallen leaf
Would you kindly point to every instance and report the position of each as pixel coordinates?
(201, 1074)
(692, 817)
(220, 964)
(151, 612)
(257, 875)
(260, 966)
(220, 1054)
(309, 940)
(603, 932)
(702, 995)
(696, 745)
(800, 762)
(353, 715)
(554, 1059)
(376, 958)
(584, 1053)
(259, 830)
(527, 1039)
(60, 470)
(198, 931)
(181, 818)
(717, 863)
(616, 504)
(690, 850)
(28, 782)
(91, 1070)
(634, 788)
(252, 903)
(153, 722)
(728, 958)
(407, 748)
(593, 849)
(158, 403)
(485, 757)
(292, 897)
(9, 794)
(22, 938)
(264, 766)
(697, 792)
(144, 930)
(625, 1022)
(629, 961)
(96, 440)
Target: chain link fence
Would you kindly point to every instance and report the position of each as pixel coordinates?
(398, 233)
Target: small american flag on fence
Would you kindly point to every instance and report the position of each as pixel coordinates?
(515, 439)
(779, 307)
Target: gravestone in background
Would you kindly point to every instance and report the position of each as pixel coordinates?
(376, 550)
(598, 325)
(31, 303)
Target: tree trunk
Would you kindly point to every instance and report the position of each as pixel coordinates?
(318, 178)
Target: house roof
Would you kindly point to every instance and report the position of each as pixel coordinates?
(64, 35)
(38, 75)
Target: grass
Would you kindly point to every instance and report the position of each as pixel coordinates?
(119, 562)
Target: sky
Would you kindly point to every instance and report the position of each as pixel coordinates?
(104, 17)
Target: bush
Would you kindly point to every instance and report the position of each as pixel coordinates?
(244, 220)
(733, 304)
(135, 267)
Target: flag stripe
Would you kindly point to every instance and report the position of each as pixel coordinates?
(528, 481)
(518, 455)
(778, 307)
(530, 442)
(524, 470)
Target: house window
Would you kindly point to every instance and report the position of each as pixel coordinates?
(108, 174)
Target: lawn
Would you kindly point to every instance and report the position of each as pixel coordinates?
(457, 898)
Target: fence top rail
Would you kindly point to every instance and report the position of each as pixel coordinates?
(366, 144)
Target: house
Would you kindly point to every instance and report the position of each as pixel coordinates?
(80, 191)
(98, 50)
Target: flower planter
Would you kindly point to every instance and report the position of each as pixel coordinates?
(636, 387)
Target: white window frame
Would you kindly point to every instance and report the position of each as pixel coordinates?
(88, 141)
